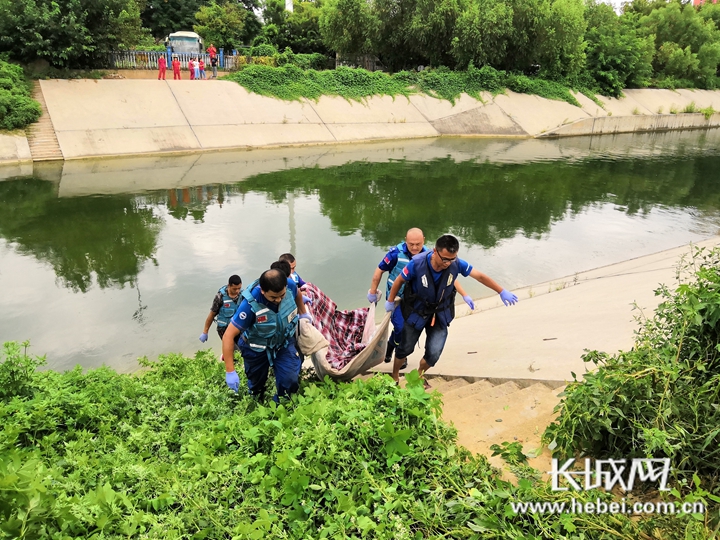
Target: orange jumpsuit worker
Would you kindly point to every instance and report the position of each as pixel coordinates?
(162, 66)
(176, 69)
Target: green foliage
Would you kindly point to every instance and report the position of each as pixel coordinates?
(67, 33)
(348, 27)
(617, 57)
(172, 453)
(164, 17)
(222, 24)
(482, 33)
(543, 88)
(299, 29)
(687, 46)
(290, 82)
(660, 398)
(17, 371)
(315, 61)
(263, 50)
(17, 108)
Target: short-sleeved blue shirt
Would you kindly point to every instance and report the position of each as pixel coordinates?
(391, 258)
(297, 279)
(409, 271)
(244, 317)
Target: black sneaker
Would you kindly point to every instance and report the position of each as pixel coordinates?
(388, 358)
(404, 365)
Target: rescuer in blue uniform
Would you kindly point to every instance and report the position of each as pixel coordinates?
(428, 301)
(223, 308)
(265, 324)
(394, 261)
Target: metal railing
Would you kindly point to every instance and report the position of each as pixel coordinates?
(149, 59)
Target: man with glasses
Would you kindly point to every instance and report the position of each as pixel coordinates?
(428, 302)
(394, 262)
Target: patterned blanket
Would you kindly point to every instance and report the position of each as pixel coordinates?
(342, 329)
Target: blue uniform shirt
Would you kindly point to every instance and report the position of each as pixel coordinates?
(244, 317)
(409, 271)
(391, 258)
(297, 279)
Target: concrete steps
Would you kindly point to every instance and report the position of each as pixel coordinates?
(43, 143)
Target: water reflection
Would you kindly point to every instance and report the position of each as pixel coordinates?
(106, 237)
(124, 255)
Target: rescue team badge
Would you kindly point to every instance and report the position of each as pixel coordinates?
(262, 318)
(450, 278)
(226, 304)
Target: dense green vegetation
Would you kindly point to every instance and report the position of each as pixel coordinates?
(292, 82)
(660, 398)
(580, 44)
(17, 108)
(172, 453)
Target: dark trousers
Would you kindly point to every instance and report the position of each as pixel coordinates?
(287, 365)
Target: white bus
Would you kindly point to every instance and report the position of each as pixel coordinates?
(185, 42)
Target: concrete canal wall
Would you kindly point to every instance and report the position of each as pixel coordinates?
(135, 174)
(95, 118)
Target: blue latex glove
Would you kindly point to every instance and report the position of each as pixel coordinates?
(372, 297)
(469, 301)
(307, 300)
(203, 337)
(307, 316)
(389, 306)
(508, 298)
(232, 380)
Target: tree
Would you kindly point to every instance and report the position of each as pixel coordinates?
(301, 31)
(164, 17)
(432, 27)
(67, 33)
(687, 45)
(562, 52)
(617, 57)
(222, 24)
(348, 27)
(482, 33)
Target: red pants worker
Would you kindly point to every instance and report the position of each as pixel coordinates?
(162, 67)
(176, 69)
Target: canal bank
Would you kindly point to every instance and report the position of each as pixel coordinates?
(97, 118)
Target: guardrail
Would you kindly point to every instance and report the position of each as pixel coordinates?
(149, 59)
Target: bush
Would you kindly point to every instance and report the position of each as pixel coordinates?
(264, 49)
(315, 61)
(17, 108)
(659, 399)
(356, 83)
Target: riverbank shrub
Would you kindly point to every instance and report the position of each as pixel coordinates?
(17, 108)
(659, 399)
(290, 82)
(171, 453)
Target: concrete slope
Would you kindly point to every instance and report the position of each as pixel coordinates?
(125, 116)
(543, 337)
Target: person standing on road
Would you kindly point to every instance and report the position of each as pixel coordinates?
(265, 324)
(394, 261)
(223, 308)
(428, 301)
(212, 51)
(176, 69)
(162, 67)
(214, 64)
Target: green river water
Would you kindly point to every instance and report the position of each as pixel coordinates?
(104, 261)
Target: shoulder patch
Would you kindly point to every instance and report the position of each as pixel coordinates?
(242, 315)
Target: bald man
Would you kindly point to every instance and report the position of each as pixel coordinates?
(394, 261)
